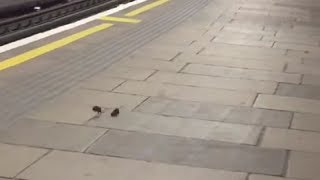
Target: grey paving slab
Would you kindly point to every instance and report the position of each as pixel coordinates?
(242, 73)
(285, 103)
(289, 139)
(301, 91)
(50, 135)
(104, 99)
(147, 63)
(302, 69)
(292, 39)
(244, 42)
(215, 112)
(271, 65)
(67, 165)
(264, 177)
(303, 165)
(219, 96)
(16, 158)
(127, 73)
(214, 82)
(243, 51)
(182, 127)
(304, 121)
(311, 79)
(190, 152)
(101, 83)
(63, 111)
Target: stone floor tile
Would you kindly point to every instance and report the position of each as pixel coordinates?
(127, 73)
(242, 73)
(244, 42)
(243, 51)
(304, 165)
(303, 69)
(264, 177)
(218, 96)
(232, 62)
(156, 53)
(214, 82)
(308, 122)
(193, 128)
(249, 30)
(214, 112)
(104, 99)
(311, 79)
(227, 35)
(302, 54)
(68, 165)
(63, 111)
(301, 91)
(50, 135)
(101, 83)
(16, 158)
(190, 152)
(287, 103)
(293, 39)
(291, 140)
(152, 64)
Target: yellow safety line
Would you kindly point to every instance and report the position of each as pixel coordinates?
(50, 47)
(146, 8)
(117, 19)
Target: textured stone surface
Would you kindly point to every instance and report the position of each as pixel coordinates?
(146, 63)
(301, 91)
(288, 104)
(15, 158)
(127, 73)
(104, 99)
(193, 128)
(264, 177)
(218, 96)
(304, 165)
(101, 83)
(311, 79)
(242, 73)
(309, 122)
(190, 152)
(273, 65)
(211, 111)
(214, 82)
(50, 135)
(67, 165)
(63, 111)
(291, 140)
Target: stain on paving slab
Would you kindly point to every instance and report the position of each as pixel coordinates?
(215, 112)
(190, 152)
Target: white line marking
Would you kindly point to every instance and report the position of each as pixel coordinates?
(60, 29)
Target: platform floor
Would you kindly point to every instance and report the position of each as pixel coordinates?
(207, 89)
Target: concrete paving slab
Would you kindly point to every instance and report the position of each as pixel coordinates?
(190, 152)
(215, 112)
(219, 96)
(68, 165)
(14, 159)
(175, 126)
(51, 135)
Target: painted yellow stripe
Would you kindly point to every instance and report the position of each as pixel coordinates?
(50, 47)
(117, 19)
(146, 8)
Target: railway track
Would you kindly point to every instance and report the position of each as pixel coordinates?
(23, 26)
